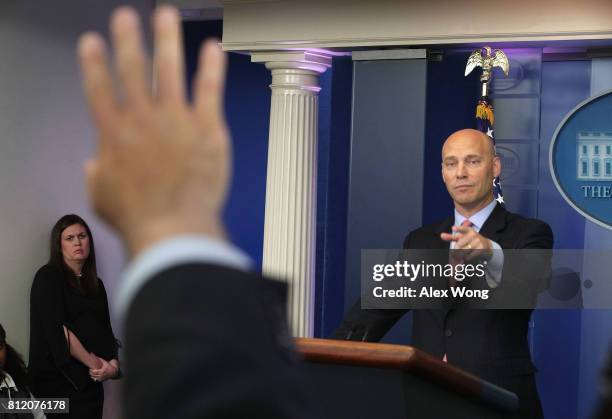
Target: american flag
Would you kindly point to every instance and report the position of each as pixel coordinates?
(484, 123)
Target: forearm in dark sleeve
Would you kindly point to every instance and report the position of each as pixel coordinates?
(79, 352)
(369, 325)
(527, 268)
(366, 325)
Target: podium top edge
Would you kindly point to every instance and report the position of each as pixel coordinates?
(409, 360)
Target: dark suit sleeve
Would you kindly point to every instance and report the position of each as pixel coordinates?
(47, 299)
(530, 266)
(537, 235)
(209, 341)
(527, 266)
(366, 325)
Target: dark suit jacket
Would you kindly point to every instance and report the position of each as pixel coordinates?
(205, 341)
(604, 410)
(491, 344)
(54, 303)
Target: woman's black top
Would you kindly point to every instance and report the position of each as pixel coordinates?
(55, 303)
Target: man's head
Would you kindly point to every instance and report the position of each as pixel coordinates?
(469, 166)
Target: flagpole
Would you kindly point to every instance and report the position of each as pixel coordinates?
(488, 59)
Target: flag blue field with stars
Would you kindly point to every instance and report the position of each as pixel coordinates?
(484, 123)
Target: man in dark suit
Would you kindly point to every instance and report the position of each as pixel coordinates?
(204, 337)
(489, 343)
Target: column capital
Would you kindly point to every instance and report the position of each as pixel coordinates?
(316, 60)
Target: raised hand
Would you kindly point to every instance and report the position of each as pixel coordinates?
(163, 165)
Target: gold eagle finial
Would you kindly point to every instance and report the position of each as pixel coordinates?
(488, 61)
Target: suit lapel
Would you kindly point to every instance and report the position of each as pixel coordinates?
(494, 224)
(443, 227)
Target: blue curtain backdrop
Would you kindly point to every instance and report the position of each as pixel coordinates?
(247, 109)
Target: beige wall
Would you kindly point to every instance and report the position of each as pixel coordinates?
(45, 135)
(272, 24)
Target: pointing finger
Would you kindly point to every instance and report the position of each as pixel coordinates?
(448, 237)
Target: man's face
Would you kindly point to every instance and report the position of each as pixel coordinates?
(468, 169)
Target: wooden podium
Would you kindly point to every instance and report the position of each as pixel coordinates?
(381, 381)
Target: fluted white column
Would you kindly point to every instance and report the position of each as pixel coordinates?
(290, 220)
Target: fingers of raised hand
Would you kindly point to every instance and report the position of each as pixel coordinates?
(210, 82)
(91, 172)
(130, 58)
(97, 80)
(168, 56)
(132, 63)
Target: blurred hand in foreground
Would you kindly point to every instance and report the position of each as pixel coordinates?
(163, 165)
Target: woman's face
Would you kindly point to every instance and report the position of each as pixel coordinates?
(75, 243)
